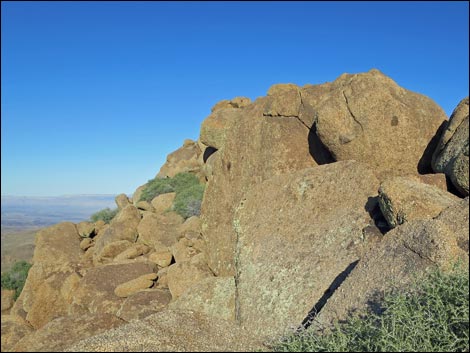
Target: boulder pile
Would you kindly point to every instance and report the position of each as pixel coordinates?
(317, 198)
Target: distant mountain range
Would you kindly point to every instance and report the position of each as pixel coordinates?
(22, 212)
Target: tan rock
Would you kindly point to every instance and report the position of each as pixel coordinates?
(133, 286)
(161, 258)
(456, 219)
(451, 154)
(137, 194)
(237, 102)
(272, 145)
(183, 250)
(57, 255)
(47, 302)
(14, 329)
(191, 228)
(86, 229)
(183, 160)
(100, 225)
(438, 179)
(215, 127)
(368, 117)
(144, 303)
(162, 278)
(407, 252)
(283, 100)
(297, 232)
(8, 300)
(145, 206)
(122, 201)
(96, 289)
(163, 202)
(65, 331)
(159, 229)
(122, 227)
(213, 296)
(165, 332)
(132, 252)
(86, 243)
(182, 276)
(403, 199)
(111, 250)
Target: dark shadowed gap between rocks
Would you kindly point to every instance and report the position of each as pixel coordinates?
(372, 207)
(424, 164)
(317, 149)
(208, 152)
(328, 293)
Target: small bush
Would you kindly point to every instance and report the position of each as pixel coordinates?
(188, 191)
(105, 215)
(156, 187)
(433, 316)
(188, 201)
(16, 277)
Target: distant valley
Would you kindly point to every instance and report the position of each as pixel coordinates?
(23, 216)
(23, 212)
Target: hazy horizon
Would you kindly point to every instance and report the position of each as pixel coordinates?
(95, 95)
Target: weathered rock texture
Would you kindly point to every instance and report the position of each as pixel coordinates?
(290, 213)
(183, 160)
(403, 199)
(172, 331)
(405, 253)
(65, 331)
(451, 154)
(296, 233)
(369, 118)
(255, 147)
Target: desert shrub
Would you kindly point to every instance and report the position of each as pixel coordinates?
(16, 277)
(155, 187)
(188, 201)
(432, 316)
(105, 215)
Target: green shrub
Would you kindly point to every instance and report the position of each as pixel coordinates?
(156, 187)
(105, 215)
(432, 316)
(188, 191)
(188, 201)
(16, 277)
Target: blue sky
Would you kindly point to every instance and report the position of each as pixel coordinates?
(94, 95)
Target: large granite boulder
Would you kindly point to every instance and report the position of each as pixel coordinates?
(255, 147)
(122, 227)
(213, 296)
(13, 329)
(403, 199)
(173, 331)
(65, 331)
(57, 256)
(183, 160)
(296, 234)
(451, 154)
(369, 118)
(144, 303)
(95, 291)
(159, 229)
(406, 253)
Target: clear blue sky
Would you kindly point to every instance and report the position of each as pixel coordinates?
(96, 94)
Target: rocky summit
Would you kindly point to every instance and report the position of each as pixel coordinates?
(315, 199)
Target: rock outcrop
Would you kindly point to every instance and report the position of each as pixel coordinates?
(320, 214)
(317, 200)
(451, 154)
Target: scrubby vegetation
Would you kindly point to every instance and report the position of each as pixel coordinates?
(188, 191)
(16, 277)
(105, 215)
(433, 316)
